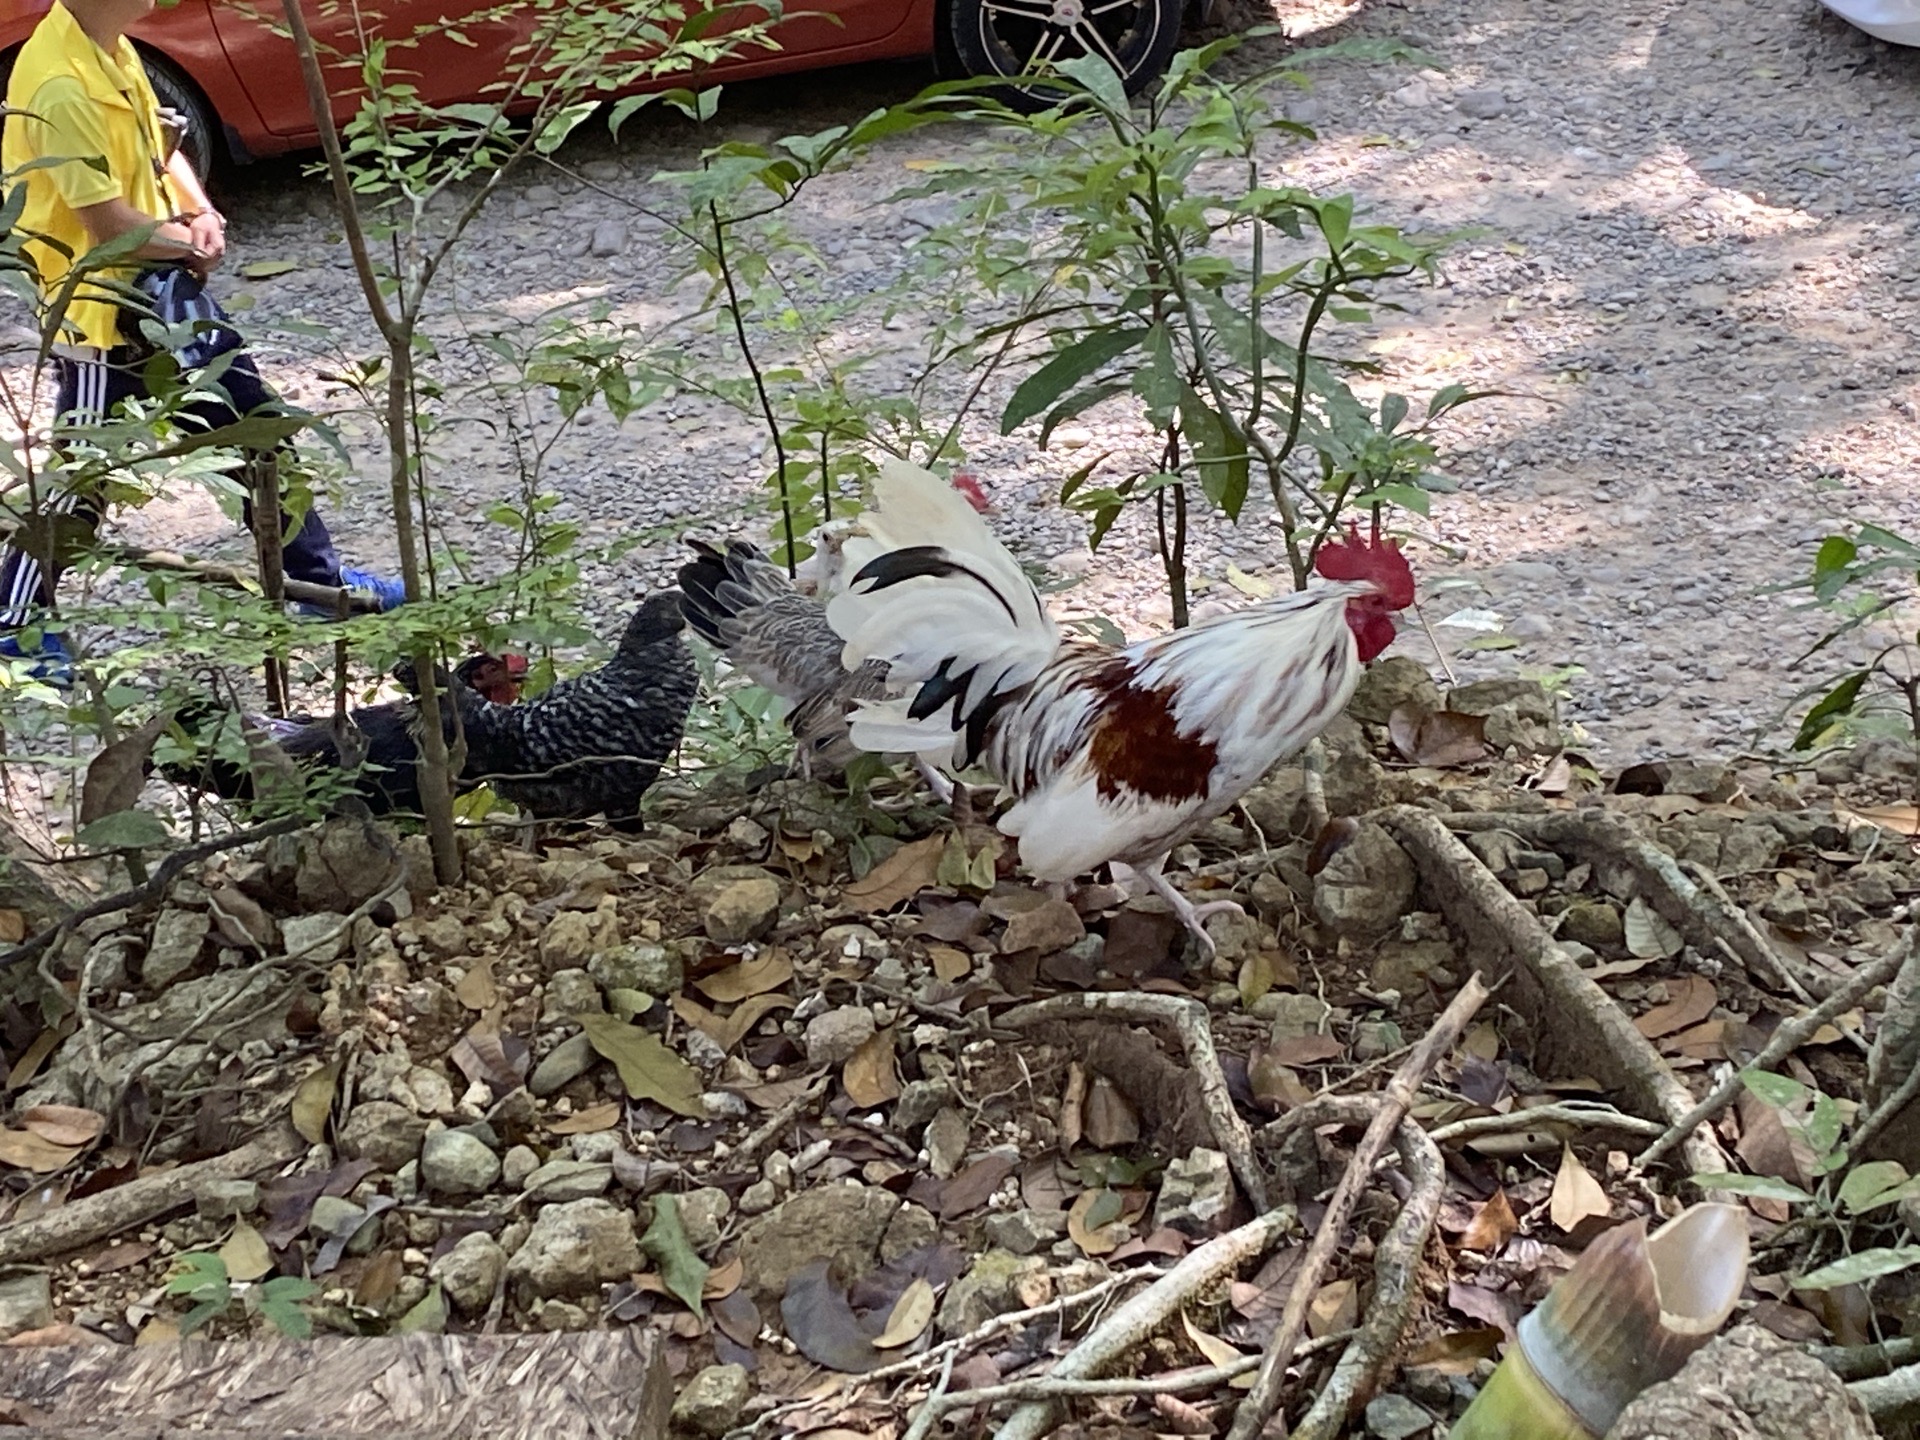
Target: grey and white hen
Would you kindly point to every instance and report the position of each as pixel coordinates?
(594, 743)
(744, 604)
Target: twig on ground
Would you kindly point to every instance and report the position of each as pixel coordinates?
(1130, 1324)
(1869, 1126)
(1396, 1273)
(1390, 1107)
(82, 1222)
(1757, 942)
(155, 885)
(1578, 1113)
(749, 1150)
(931, 1409)
(1890, 1399)
(1862, 1362)
(1787, 1037)
(1189, 1021)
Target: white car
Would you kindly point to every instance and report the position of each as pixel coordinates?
(1896, 21)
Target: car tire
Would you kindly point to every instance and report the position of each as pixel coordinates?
(173, 90)
(1001, 37)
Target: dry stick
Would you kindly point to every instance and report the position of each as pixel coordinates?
(82, 1222)
(263, 478)
(1189, 1020)
(1788, 1037)
(1396, 1274)
(748, 1150)
(1264, 1399)
(1583, 1114)
(1132, 1323)
(1890, 1399)
(941, 1404)
(1863, 1362)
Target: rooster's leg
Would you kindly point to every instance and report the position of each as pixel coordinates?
(939, 784)
(1191, 915)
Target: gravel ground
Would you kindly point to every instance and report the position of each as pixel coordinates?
(1692, 264)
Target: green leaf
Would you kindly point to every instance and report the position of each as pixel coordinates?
(1838, 702)
(1052, 380)
(1761, 1187)
(1775, 1090)
(1099, 79)
(428, 1317)
(1905, 1190)
(267, 269)
(1393, 409)
(1836, 553)
(648, 1069)
(1079, 403)
(684, 1272)
(1861, 1266)
(1865, 1183)
(124, 830)
(562, 123)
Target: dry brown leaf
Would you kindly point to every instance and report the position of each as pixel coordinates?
(768, 970)
(973, 1186)
(1493, 1224)
(1094, 1223)
(1576, 1194)
(727, 1031)
(1709, 1040)
(64, 1124)
(124, 1256)
(723, 1280)
(28, 1151)
(35, 1055)
(950, 963)
(590, 1121)
(477, 990)
(160, 1330)
(870, 1075)
(1648, 934)
(908, 1320)
(245, 1254)
(313, 1103)
(1071, 1104)
(1900, 819)
(1438, 739)
(1458, 1351)
(13, 927)
(118, 773)
(1274, 1085)
(1109, 1122)
(1334, 1307)
(1301, 1050)
(901, 876)
(1482, 1042)
(379, 1280)
(1691, 1000)
(1217, 1351)
(1183, 1417)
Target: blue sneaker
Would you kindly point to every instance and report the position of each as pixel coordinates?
(53, 662)
(363, 584)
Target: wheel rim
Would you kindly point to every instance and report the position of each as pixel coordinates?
(1026, 35)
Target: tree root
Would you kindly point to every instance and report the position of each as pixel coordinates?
(1389, 1108)
(1578, 1028)
(1188, 1018)
(1567, 1114)
(1892, 1399)
(82, 1222)
(1786, 1038)
(1396, 1270)
(1131, 1324)
(1706, 918)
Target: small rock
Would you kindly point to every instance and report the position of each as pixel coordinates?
(1703, 779)
(559, 1181)
(840, 1223)
(1788, 909)
(1483, 697)
(342, 864)
(1389, 683)
(650, 969)
(702, 1213)
(454, 1163)
(947, 1135)
(1749, 847)
(1595, 924)
(1366, 886)
(833, 1036)
(1052, 926)
(1374, 1038)
(562, 1065)
(919, 1102)
(570, 938)
(711, 1403)
(759, 1197)
(26, 1303)
(742, 910)
(986, 1290)
(1024, 1232)
(1480, 104)
(316, 939)
(470, 1272)
(572, 1250)
(516, 1165)
(609, 238)
(1196, 1194)
(1394, 1417)
(1298, 1016)
(334, 1216)
(444, 936)
(226, 1199)
(175, 946)
(568, 993)
(382, 1133)
(1530, 627)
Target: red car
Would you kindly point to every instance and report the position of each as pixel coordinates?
(239, 82)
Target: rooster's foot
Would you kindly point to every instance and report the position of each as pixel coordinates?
(940, 785)
(1192, 916)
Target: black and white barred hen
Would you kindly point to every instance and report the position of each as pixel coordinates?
(743, 604)
(592, 744)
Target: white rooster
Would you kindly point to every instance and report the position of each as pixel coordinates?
(1113, 754)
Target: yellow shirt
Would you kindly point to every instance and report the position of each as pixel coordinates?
(96, 113)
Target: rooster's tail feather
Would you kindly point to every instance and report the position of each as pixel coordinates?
(941, 601)
(720, 586)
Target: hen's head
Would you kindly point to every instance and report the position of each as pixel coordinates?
(1376, 562)
(496, 678)
(967, 481)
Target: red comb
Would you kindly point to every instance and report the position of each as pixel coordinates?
(516, 665)
(968, 484)
(1375, 560)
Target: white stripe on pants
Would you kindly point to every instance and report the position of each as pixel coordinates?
(90, 393)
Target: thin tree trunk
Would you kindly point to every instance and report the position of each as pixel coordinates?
(263, 482)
